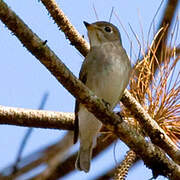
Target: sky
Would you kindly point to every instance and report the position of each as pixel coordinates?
(24, 79)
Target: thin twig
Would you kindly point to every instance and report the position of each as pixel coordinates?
(28, 133)
(41, 157)
(125, 165)
(57, 158)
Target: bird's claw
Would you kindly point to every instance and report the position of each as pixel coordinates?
(120, 115)
(106, 103)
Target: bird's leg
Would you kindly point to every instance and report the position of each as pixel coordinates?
(120, 115)
(106, 104)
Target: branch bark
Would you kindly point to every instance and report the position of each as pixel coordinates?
(122, 170)
(36, 118)
(156, 133)
(65, 25)
(151, 154)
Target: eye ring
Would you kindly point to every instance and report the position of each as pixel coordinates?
(108, 29)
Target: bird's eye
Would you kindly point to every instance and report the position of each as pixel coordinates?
(108, 29)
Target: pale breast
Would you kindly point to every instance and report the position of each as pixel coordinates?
(108, 75)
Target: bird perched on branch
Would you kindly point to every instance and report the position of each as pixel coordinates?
(105, 71)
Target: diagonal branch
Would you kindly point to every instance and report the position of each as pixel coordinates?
(152, 155)
(65, 25)
(151, 127)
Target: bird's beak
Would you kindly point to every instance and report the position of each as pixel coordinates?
(89, 26)
(86, 24)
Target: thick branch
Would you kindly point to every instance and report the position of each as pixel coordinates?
(65, 25)
(157, 134)
(36, 118)
(153, 156)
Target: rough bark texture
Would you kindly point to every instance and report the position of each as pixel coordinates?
(65, 25)
(152, 155)
(36, 118)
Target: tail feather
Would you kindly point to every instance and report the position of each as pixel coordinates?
(83, 160)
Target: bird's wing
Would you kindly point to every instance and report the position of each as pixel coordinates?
(83, 78)
(76, 122)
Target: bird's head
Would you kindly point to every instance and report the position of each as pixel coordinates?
(102, 32)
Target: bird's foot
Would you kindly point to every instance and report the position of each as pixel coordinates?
(120, 115)
(106, 104)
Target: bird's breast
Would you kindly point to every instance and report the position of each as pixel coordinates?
(108, 70)
(106, 80)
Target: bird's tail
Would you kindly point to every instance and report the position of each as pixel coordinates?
(84, 158)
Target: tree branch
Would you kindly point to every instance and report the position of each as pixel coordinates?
(123, 168)
(36, 118)
(151, 127)
(65, 25)
(152, 155)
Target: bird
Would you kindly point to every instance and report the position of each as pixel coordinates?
(106, 72)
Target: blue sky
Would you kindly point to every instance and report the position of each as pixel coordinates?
(24, 79)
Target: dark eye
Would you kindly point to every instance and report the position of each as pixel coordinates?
(108, 29)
